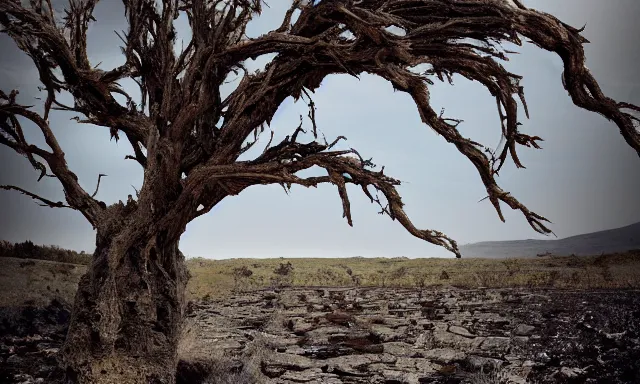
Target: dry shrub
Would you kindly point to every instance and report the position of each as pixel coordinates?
(489, 376)
(219, 369)
(284, 275)
(187, 346)
(419, 279)
(276, 322)
(512, 266)
(242, 369)
(399, 273)
(218, 366)
(240, 276)
(488, 280)
(62, 269)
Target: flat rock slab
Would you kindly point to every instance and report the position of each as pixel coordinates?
(461, 331)
(524, 330)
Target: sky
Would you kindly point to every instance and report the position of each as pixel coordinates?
(585, 179)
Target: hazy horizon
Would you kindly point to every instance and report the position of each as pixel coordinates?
(586, 179)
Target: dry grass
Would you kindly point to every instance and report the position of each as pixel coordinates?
(217, 367)
(23, 280)
(37, 281)
(489, 376)
(216, 277)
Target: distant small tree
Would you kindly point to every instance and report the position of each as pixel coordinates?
(187, 137)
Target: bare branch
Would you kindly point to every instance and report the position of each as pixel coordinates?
(11, 136)
(98, 185)
(52, 50)
(286, 23)
(270, 169)
(188, 139)
(43, 202)
(339, 181)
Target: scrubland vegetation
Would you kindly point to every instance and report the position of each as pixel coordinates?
(212, 278)
(61, 269)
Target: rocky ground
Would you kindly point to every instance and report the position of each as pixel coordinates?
(30, 337)
(443, 335)
(430, 336)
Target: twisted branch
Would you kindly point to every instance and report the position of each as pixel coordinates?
(189, 139)
(43, 202)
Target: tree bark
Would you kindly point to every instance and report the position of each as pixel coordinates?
(127, 315)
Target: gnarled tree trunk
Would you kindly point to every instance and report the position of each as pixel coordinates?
(127, 314)
(188, 138)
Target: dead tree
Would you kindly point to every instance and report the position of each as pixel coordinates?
(188, 138)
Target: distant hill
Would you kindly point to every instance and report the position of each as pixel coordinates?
(609, 241)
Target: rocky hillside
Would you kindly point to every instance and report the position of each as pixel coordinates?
(610, 241)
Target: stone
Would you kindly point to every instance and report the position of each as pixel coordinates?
(496, 344)
(516, 375)
(445, 339)
(22, 378)
(392, 376)
(15, 360)
(461, 331)
(443, 355)
(520, 340)
(365, 344)
(570, 373)
(543, 357)
(301, 327)
(400, 349)
(524, 330)
(425, 367)
(406, 363)
(354, 364)
(385, 333)
(485, 364)
(306, 376)
(288, 361)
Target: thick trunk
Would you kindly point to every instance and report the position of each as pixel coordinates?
(127, 316)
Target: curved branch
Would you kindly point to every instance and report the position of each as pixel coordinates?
(270, 168)
(11, 136)
(191, 130)
(44, 202)
(413, 85)
(98, 185)
(435, 34)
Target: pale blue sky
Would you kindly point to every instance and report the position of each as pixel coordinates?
(585, 179)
